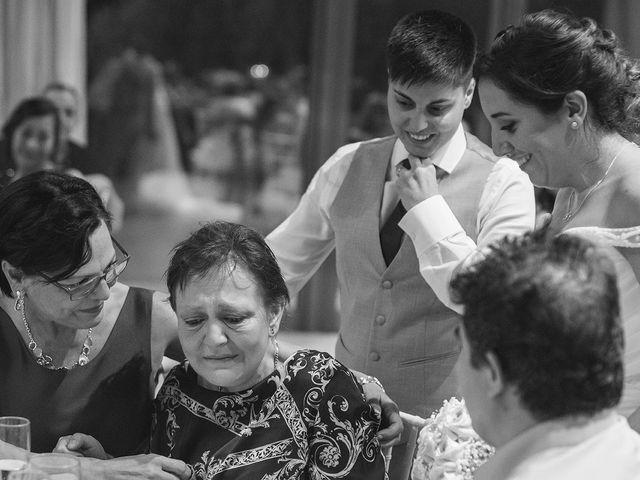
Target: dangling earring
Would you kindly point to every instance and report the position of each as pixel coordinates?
(276, 355)
(574, 125)
(19, 305)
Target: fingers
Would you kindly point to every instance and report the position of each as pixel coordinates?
(176, 467)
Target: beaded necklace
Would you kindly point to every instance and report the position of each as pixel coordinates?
(46, 360)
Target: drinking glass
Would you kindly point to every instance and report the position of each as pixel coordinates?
(57, 465)
(29, 473)
(16, 432)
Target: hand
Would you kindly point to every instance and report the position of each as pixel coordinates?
(136, 467)
(417, 183)
(81, 445)
(391, 424)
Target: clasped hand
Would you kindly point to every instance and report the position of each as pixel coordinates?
(417, 183)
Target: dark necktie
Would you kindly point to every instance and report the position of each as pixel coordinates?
(391, 234)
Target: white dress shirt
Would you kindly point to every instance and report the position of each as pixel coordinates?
(507, 206)
(603, 449)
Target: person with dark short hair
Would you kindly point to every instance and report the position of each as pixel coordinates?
(401, 212)
(235, 408)
(541, 368)
(79, 351)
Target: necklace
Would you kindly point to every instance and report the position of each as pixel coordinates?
(45, 360)
(571, 212)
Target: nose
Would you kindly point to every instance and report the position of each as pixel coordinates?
(500, 146)
(32, 143)
(418, 122)
(103, 290)
(215, 334)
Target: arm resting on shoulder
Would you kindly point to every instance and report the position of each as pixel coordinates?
(507, 207)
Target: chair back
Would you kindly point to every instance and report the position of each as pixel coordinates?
(412, 425)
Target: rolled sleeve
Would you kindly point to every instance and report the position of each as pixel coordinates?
(506, 207)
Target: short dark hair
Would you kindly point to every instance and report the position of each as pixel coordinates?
(29, 108)
(547, 306)
(551, 53)
(431, 46)
(224, 245)
(46, 219)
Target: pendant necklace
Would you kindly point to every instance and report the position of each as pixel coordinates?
(45, 360)
(571, 212)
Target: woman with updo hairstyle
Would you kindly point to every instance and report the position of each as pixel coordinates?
(562, 98)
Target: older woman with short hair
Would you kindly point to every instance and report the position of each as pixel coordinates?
(234, 408)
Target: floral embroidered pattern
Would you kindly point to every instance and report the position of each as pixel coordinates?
(313, 423)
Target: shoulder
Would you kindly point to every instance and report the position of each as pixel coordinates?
(341, 159)
(623, 204)
(479, 149)
(312, 368)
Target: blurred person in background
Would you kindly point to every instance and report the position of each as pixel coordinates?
(67, 98)
(31, 141)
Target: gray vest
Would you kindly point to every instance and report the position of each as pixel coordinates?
(393, 325)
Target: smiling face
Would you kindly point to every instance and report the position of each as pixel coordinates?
(48, 302)
(536, 141)
(223, 326)
(33, 143)
(426, 116)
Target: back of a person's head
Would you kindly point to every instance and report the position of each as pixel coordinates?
(547, 307)
(431, 46)
(551, 53)
(222, 246)
(46, 219)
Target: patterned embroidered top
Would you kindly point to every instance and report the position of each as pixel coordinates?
(312, 424)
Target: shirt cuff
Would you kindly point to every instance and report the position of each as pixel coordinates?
(430, 222)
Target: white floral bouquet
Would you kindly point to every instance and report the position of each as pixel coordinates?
(448, 447)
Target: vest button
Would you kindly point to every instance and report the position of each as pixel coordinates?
(374, 356)
(387, 284)
(380, 319)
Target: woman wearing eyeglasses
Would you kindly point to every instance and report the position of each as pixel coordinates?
(78, 350)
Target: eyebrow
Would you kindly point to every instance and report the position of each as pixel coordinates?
(500, 115)
(110, 264)
(440, 100)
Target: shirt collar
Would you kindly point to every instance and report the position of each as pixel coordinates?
(447, 156)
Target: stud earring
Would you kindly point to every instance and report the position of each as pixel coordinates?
(574, 125)
(19, 305)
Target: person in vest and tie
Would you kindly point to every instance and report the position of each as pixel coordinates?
(403, 210)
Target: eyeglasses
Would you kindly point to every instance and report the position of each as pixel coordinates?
(87, 286)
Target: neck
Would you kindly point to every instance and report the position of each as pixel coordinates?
(596, 161)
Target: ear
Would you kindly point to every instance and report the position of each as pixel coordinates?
(468, 93)
(14, 275)
(576, 105)
(275, 316)
(494, 376)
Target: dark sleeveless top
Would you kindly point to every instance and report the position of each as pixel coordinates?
(108, 398)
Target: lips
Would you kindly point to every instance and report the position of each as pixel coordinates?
(219, 358)
(93, 311)
(420, 137)
(521, 160)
